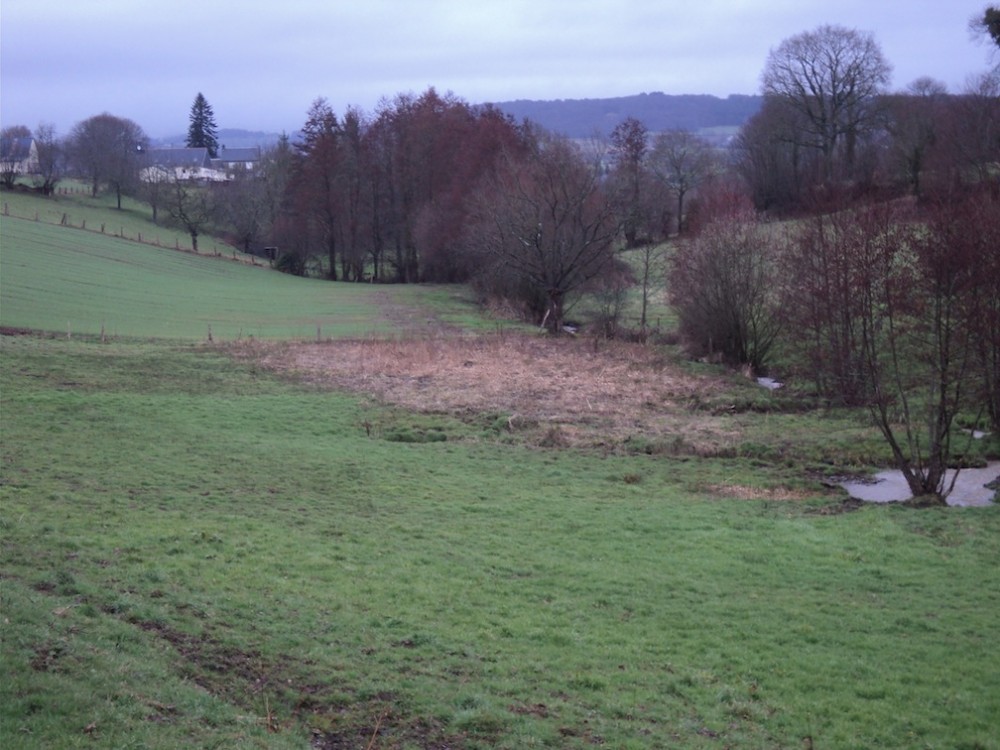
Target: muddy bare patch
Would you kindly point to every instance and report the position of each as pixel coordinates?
(46, 657)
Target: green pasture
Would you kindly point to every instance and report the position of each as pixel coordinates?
(67, 280)
(74, 206)
(198, 554)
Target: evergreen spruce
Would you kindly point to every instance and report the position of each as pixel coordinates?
(202, 130)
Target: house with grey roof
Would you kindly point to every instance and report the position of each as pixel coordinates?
(233, 158)
(180, 164)
(18, 156)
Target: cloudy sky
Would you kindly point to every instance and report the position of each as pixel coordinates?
(260, 65)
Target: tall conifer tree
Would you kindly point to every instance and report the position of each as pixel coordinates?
(202, 130)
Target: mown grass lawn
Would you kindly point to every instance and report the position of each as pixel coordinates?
(197, 553)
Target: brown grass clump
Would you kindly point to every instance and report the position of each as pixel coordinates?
(748, 492)
(572, 391)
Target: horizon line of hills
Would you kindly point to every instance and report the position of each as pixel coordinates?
(579, 118)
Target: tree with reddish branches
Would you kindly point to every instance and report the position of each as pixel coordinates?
(896, 310)
(543, 228)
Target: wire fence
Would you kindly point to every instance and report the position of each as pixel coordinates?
(173, 242)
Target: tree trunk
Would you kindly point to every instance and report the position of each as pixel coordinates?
(331, 250)
(554, 315)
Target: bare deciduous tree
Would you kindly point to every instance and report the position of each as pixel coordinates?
(154, 188)
(108, 149)
(918, 346)
(965, 230)
(250, 201)
(628, 179)
(974, 135)
(544, 220)
(768, 157)
(652, 273)
(914, 123)
(51, 158)
(316, 180)
(191, 206)
(14, 144)
(681, 161)
(823, 295)
(243, 205)
(833, 77)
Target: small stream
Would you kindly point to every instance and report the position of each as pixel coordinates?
(890, 487)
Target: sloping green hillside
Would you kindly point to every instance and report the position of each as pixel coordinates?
(57, 278)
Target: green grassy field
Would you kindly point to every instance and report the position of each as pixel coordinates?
(198, 552)
(73, 206)
(62, 279)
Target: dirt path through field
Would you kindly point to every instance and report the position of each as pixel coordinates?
(409, 321)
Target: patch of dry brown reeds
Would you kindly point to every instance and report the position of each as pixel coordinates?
(749, 492)
(594, 391)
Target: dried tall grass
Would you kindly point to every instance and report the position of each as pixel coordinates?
(597, 393)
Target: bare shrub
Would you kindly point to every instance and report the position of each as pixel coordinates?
(829, 264)
(722, 286)
(612, 292)
(961, 251)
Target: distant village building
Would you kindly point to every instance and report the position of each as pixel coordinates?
(185, 164)
(18, 156)
(236, 158)
(194, 164)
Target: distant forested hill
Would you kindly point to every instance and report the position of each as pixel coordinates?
(228, 137)
(581, 118)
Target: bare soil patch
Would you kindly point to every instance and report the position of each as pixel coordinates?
(567, 391)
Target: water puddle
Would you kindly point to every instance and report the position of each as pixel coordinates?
(890, 487)
(977, 434)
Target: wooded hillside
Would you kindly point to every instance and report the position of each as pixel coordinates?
(581, 118)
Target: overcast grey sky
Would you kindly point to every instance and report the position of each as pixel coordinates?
(260, 65)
